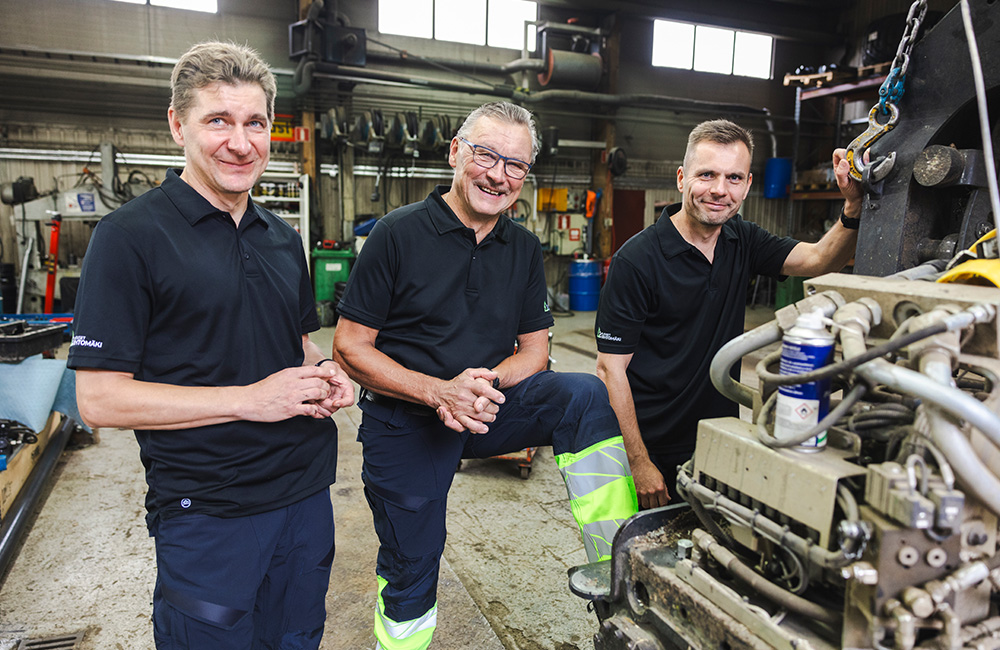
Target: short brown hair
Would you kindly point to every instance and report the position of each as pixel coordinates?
(719, 132)
(212, 62)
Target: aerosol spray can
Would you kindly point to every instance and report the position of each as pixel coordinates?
(806, 347)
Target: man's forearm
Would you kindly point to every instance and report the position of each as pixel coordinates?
(532, 357)
(112, 400)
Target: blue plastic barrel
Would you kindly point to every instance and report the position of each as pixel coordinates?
(777, 178)
(584, 284)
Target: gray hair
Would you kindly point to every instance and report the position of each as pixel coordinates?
(215, 62)
(505, 112)
(719, 132)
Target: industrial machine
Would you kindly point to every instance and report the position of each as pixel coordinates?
(38, 219)
(886, 537)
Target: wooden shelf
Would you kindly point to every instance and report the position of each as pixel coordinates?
(818, 195)
(861, 88)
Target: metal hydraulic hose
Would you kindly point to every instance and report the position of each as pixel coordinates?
(937, 391)
(764, 436)
(765, 526)
(762, 585)
(952, 400)
(975, 476)
(768, 333)
(735, 350)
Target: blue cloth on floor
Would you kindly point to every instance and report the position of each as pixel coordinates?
(35, 387)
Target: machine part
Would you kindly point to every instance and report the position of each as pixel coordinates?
(572, 69)
(947, 117)
(941, 166)
(617, 161)
(20, 191)
(731, 461)
(982, 272)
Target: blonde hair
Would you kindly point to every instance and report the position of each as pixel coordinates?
(212, 62)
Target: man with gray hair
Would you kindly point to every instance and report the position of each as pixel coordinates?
(192, 328)
(438, 297)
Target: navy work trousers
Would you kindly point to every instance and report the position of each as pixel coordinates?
(410, 460)
(256, 582)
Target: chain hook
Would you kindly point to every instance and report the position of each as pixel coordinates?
(856, 150)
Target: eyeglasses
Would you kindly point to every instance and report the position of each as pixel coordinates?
(488, 159)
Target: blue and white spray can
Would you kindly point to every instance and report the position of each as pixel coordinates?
(805, 347)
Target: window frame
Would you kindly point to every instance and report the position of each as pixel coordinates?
(486, 34)
(656, 53)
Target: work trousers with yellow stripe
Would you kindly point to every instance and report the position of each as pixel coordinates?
(410, 459)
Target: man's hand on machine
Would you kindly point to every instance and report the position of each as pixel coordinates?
(469, 401)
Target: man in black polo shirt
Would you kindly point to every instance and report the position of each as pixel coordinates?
(437, 298)
(676, 292)
(191, 328)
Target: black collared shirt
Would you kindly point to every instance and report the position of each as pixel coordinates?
(664, 303)
(174, 293)
(440, 301)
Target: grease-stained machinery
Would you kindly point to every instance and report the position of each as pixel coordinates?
(887, 537)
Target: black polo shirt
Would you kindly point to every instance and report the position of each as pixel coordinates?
(174, 293)
(664, 303)
(440, 301)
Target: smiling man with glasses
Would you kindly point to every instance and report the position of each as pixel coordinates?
(440, 293)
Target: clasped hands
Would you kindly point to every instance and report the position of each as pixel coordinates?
(469, 401)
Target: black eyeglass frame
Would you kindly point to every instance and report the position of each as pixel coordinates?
(500, 157)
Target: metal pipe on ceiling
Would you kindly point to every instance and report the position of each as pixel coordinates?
(307, 70)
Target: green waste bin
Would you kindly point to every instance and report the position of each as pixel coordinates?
(329, 268)
(789, 291)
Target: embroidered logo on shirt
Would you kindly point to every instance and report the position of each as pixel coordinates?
(545, 306)
(607, 337)
(185, 503)
(83, 341)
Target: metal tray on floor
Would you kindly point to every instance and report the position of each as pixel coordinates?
(20, 339)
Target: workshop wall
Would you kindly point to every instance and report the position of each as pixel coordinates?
(79, 72)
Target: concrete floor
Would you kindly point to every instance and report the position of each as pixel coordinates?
(87, 564)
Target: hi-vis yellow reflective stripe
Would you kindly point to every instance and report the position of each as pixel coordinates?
(407, 635)
(602, 493)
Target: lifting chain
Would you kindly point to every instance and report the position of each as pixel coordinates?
(889, 95)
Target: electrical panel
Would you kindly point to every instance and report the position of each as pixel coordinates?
(568, 233)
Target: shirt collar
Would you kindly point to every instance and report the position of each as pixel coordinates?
(671, 242)
(445, 220)
(195, 207)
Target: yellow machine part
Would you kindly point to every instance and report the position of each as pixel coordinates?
(984, 271)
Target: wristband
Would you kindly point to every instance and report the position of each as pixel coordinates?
(496, 382)
(321, 362)
(849, 223)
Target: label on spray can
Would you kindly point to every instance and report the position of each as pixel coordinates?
(806, 347)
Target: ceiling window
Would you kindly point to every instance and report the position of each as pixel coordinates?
(498, 23)
(711, 49)
(208, 6)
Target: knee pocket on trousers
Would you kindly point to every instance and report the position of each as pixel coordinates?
(177, 628)
(412, 525)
